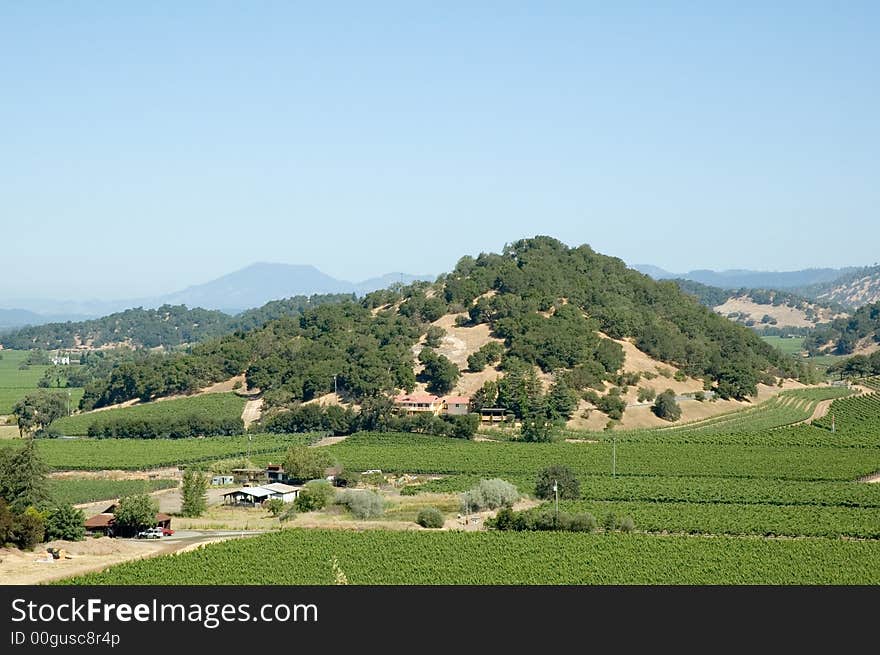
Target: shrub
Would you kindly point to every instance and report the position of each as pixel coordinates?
(347, 479)
(612, 405)
(627, 524)
(665, 406)
(584, 522)
(489, 494)
(434, 336)
(315, 495)
(646, 394)
(609, 523)
(700, 396)
(288, 514)
(680, 376)
(569, 486)
(476, 362)
(362, 504)
(28, 529)
(6, 521)
(65, 522)
(274, 506)
(430, 517)
(464, 426)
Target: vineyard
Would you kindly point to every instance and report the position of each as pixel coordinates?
(378, 557)
(16, 382)
(793, 481)
(427, 454)
(746, 498)
(854, 416)
(141, 454)
(74, 492)
(224, 407)
(751, 425)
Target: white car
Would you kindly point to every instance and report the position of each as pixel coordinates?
(151, 533)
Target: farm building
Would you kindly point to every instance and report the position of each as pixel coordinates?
(252, 496)
(283, 492)
(456, 405)
(492, 414)
(275, 473)
(105, 522)
(248, 474)
(219, 480)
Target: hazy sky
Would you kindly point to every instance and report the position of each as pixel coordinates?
(149, 147)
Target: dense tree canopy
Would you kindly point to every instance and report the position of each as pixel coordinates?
(552, 306)
(844, 335)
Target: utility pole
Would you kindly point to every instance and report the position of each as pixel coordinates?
(335, 388)
(556, 493)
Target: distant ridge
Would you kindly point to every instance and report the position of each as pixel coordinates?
(744, 278)
(247, 288)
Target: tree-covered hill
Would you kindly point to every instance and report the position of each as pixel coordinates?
(168, 326)
(853, 289)
(848, 335)
(546, 301)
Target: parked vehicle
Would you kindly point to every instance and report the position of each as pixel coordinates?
(150, 533)
(167, 532)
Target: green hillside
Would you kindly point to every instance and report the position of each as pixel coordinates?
(545, 300)
(214, 413)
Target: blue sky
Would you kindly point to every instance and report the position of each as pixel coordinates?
(148, 147)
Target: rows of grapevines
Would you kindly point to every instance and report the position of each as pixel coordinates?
(211, 405)
(379, 557)
(857, 416)
(872, 383)
(739, 519)
(691, 490)
(73, 492)
(427, 454)
(138, 454)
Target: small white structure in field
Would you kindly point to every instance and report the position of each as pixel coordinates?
(285, 492)
(220, 480)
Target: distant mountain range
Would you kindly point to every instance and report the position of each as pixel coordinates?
(743, 278)
(11, 318)
(247, 288)
(850, 287)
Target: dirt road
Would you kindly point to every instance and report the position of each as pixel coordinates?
(253, 409)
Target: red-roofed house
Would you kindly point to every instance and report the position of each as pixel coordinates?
(105, 522)
(456, 405)
(411, 404)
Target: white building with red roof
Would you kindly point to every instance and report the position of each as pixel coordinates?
(411, 404)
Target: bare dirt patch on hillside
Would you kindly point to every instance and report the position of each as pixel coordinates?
(784, 315)
(461, 342)
(253, 410)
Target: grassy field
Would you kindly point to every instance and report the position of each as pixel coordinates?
(213, 405)
(379, 557)
(15, 383)
(790, 346)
